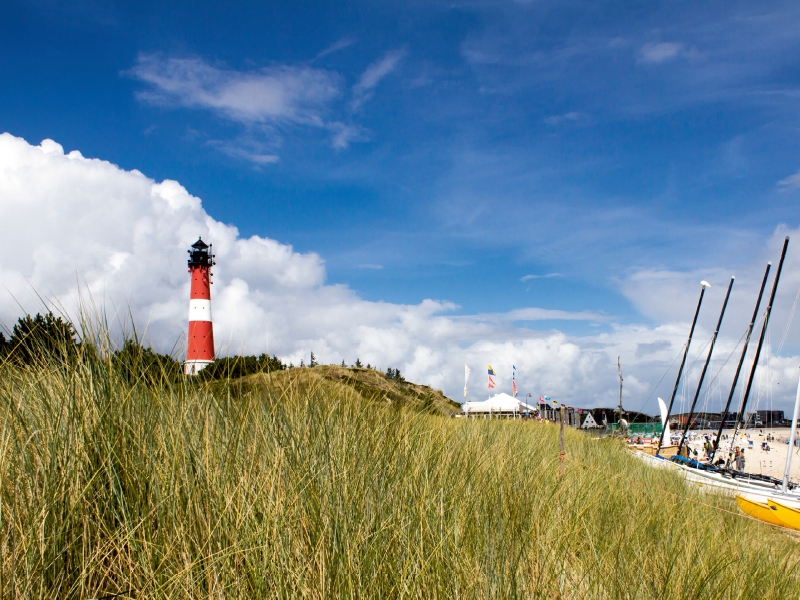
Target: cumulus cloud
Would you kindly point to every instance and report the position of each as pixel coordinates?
(643, 350)
(543, 314)
(75, 225)
(372, 76)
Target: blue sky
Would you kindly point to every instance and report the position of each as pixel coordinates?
(494, 155)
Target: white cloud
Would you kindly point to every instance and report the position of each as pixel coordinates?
(274, 94)
(336, 46)
(262, 100)
(790, 183)
(250, 154)
(572, 117)
(74, 225)
(363, 90)
(660, 52)
(344, 134)
(547, 276)
(542, 314)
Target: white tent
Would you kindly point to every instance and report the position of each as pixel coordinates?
(589, 422)
(501, 403)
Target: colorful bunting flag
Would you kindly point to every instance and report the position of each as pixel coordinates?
(514, 380)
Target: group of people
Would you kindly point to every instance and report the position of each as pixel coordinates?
(708, 449)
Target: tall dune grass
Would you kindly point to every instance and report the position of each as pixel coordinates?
(292, 488)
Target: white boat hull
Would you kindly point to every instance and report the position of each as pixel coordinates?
(719, 482)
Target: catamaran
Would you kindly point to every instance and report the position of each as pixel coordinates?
(767, 498)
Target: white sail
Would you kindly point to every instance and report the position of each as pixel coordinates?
(664, 424)
(466, 379)
(792, 437)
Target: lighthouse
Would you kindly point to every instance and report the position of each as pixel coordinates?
(200, 347)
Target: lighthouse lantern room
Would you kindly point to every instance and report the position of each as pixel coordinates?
(200, 346)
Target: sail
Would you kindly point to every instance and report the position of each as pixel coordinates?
(466, 379)
(664, 424)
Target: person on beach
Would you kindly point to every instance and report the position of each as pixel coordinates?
(738, 459)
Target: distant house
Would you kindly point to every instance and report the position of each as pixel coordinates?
(589, 422)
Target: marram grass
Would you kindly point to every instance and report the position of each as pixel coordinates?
(270, 489)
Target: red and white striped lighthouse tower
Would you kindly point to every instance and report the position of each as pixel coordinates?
(200, 347)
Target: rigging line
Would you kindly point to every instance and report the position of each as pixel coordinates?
(685, 395)
(706, 393)
(767, 363)
(669, 367)
(685, 381)
(767, 384)
(789, 323)
(763, 383)
(662, 377)
(769, 372)
(761, 362)
(699, 354)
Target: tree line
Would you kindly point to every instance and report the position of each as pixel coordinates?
(41, 337)
(50, 339)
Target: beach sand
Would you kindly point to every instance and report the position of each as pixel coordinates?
(765, 462)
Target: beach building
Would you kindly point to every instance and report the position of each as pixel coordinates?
(504, 405)
(711, 420)
(770, 418)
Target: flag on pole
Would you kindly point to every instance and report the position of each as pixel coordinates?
(541, 400)
(514, 380)
(491, 381)
(466, 378)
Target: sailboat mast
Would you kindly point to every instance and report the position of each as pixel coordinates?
(758, 351)
(792, 437)
(705, 366)
(619, 372)
(703, 286)
(741, 362)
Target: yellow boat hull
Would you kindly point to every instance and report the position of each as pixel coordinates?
(759, 510)
(790, 517)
